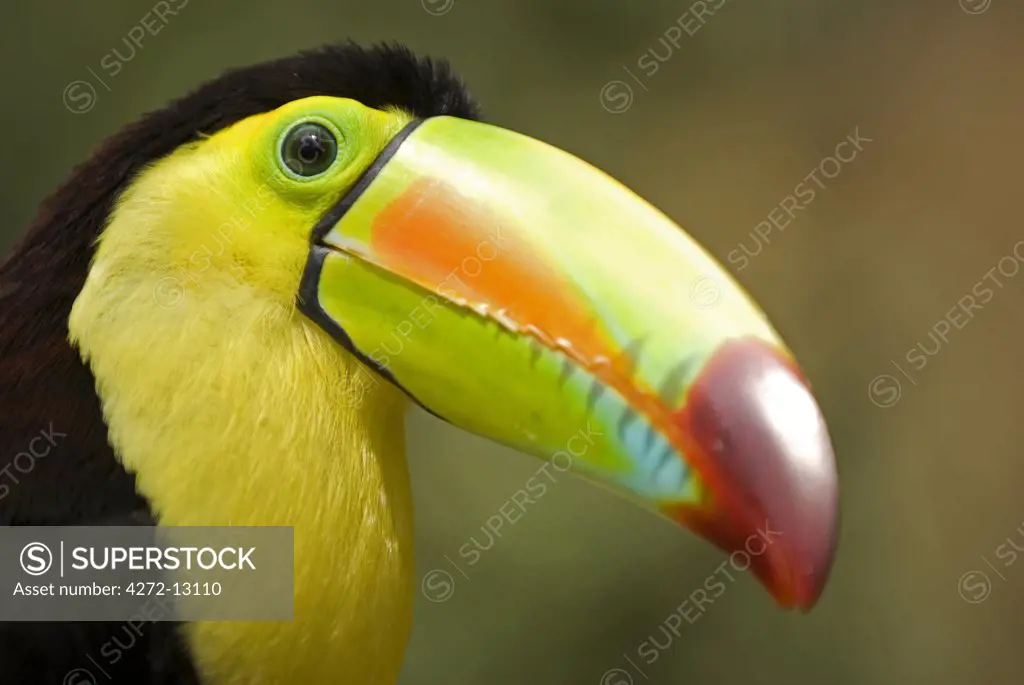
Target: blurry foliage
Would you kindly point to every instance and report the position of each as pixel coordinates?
(727, 126)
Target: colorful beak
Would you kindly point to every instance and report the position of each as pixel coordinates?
(523, 295)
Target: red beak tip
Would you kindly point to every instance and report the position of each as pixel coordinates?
(776, 477)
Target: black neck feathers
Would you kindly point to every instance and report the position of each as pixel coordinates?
(71, 475)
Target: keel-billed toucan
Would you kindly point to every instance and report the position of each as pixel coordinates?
(194, 316)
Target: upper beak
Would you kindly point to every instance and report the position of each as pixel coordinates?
(519, 293)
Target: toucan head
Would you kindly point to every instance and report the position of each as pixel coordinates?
(404, 250)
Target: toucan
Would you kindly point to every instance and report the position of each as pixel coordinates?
(222, 316)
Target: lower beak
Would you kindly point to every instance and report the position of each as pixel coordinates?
(523, 295)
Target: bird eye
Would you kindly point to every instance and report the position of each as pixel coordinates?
(309, 149)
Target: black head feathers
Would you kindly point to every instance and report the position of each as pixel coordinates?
(43, 383)
(377, 77)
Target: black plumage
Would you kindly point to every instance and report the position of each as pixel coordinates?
(45, 386)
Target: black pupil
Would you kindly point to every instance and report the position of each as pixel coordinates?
(310, 149)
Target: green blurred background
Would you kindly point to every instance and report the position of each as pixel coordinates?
(731, 121)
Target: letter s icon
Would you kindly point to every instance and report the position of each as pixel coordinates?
(36, 558)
